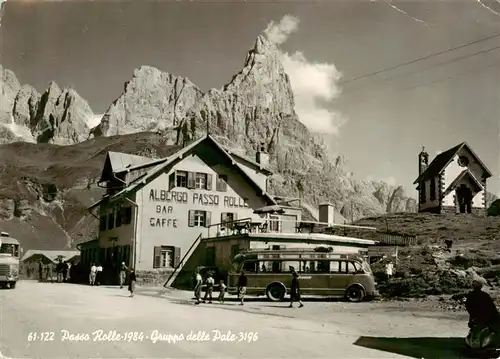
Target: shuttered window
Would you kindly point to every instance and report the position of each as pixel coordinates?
(191, 180)
(221, 183)
(166, 256)
(119, 217)
(199, 218)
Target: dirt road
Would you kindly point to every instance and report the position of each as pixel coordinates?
(51, 320)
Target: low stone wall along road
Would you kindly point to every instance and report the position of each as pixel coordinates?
(56, 320)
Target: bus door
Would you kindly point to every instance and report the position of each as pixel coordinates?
(348, 272)
(320, 277)
(338, 280)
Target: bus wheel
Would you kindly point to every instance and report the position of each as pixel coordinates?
(355, 294)
(12, 285)
(275, 292)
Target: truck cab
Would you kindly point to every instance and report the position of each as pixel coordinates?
(9, 260)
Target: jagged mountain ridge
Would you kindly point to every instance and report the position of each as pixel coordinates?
(58, 116)
(255, 108)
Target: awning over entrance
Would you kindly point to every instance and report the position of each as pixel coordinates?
(275, 209)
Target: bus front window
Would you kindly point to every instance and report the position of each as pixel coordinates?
(10, 249)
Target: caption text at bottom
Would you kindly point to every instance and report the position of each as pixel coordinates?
(154, 336)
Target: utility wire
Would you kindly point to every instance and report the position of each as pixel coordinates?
(419, 59)
(429, 67)
(410, 88)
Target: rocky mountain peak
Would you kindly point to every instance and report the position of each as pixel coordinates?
(56, 116)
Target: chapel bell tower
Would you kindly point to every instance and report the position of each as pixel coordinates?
(423, 161)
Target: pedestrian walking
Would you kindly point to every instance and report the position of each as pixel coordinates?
(389, 269)
(123, 274)
(242, 287)
(93, 271)
(209, 288)
(98, 277)
(295, 289)
(197, 286)
(131, 284)
(222, 293)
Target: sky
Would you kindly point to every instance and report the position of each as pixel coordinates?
(351, 65)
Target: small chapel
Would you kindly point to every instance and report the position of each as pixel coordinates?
(454, 182)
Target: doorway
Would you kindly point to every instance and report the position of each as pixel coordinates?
(464, 198)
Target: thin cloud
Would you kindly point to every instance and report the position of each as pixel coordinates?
(314, 84)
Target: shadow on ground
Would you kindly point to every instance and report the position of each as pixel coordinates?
(425, 347)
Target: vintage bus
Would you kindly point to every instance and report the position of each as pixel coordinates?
(321, 273)
(9, 260)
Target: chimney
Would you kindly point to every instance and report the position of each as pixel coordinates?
(326, 213)
(262, 157)
(423, 161)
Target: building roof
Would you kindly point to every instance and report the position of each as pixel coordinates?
(52, 255)
(160, 167)
(462, 174)
(120, 161)
(442, 160)
(248, 161)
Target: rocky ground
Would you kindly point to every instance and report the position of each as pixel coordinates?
(429, 269)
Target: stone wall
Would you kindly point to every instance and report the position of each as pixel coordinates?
(153, 277)
(454, 210)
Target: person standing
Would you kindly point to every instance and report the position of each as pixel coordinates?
(242, 287)
(93, 271)
(389, 270)
(209, 289)
(40, 270)
(59, 271)
(98, 277)
(65, 270)
(123, 274)
(48, 272)
(295, 289)
(132, 280)
(197, 286)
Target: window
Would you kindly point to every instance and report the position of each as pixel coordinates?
(423, 195)
(111, 220)
(274, 224)
(221, 183)
(199, 218)
(181, 179)
(102, 223)
(127, 215)
(227, 219)
(167, 258)
(163, 256)
(252, 266)
(433, 189)
(287, 264)
(347, 267)
(335, 267)
(201, 181)
(119, 216)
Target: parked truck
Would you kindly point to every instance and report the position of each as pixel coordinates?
(9, 260)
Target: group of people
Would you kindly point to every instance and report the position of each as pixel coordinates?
(46, 271)
(242, 288)
(95, 276)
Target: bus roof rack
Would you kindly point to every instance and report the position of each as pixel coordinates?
(4, 234)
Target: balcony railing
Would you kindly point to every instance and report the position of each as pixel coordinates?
(271, 225)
